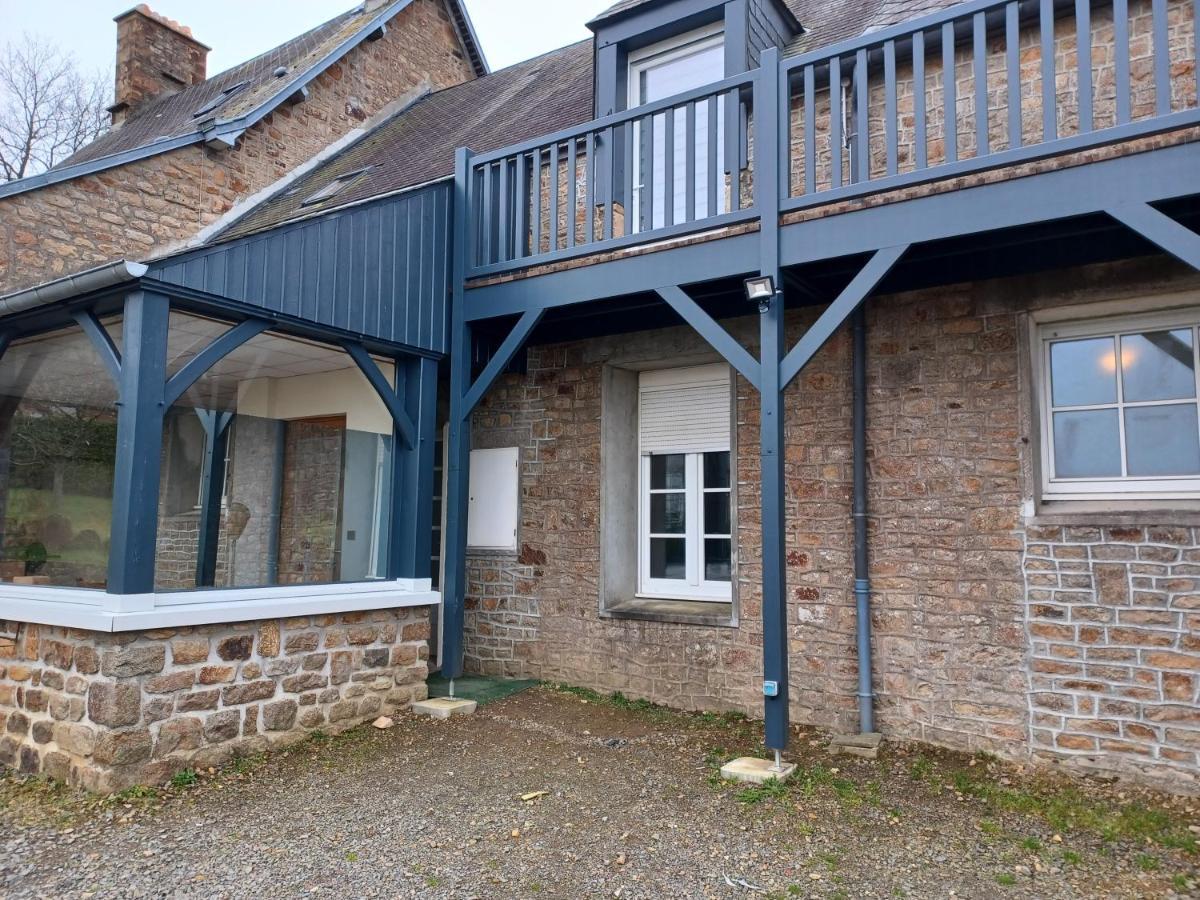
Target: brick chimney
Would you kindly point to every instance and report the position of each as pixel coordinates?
(156, 56)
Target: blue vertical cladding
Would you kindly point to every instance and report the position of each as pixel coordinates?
(765, 28)
(380, 270)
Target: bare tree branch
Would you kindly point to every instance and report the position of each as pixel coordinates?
(48, 108)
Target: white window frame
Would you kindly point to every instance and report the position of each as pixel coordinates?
(674, 48)
(1123, 487)
(694, 586)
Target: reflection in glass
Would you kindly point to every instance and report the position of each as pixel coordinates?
(668, 513)
(716, 513)
(1087, 444)
(276, 467)
(668, 472)
(1084, 373)
(716, 470)
(668, 558)
(1158, 365)
(1162, 440)
(58, 438)
(718, 553)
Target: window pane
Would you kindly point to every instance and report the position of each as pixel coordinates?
(667, 472)
(717, 559)
(1162, 440)
(668, 558)
(716, 514)
(1087, 444)
(668, 513)
(58, 439)
(1158, 365)
(276, 468)
(1084, 373)
(716, 470)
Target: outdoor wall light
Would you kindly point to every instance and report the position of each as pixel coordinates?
(761, 290)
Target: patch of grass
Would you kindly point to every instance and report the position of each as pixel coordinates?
(831, 860)
(1032, 844)
(1181, 883)
(1146, 862)
(1071, 858)
(1067, 808)
(770, 789)
(244, 765)
(987, 826)
(432, 881)
(1006, 879)
(185, 779)
(921, 768)
(137, 792)
(351, 856)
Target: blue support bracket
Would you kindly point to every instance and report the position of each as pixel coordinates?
(501, 358)
(98, 335)
(210, 356)
(388, 394)
(1160, 229)
(712, 331)
(839, 311)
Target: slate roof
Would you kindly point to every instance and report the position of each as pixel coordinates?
(171, 121)
(533, 98)
(536, 97)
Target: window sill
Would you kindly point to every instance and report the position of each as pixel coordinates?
(93, 610)
(677, 612)
(1184, 513)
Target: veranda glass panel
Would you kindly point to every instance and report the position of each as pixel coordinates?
(276, 467)
(58, 438)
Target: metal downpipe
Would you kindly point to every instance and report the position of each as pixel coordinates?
(862, 577)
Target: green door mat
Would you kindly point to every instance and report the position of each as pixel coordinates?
(483, 690)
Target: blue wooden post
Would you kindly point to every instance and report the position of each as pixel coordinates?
(458, 453)
(412, 482)
(770, 97)
(139, 443)
(212, 480)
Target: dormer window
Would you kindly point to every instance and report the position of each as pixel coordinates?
(661, 71)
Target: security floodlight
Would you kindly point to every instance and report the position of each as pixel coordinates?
(761, 290)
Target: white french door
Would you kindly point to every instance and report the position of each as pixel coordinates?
(659, 72)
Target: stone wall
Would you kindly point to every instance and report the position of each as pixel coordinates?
(137, 210)
(957, 635)
(1114, 631)
(106, 711)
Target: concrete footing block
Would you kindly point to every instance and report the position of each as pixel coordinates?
(444, 707)
(751, 770)
(865, 746)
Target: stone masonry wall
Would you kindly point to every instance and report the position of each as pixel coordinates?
(137, 210)
(966, 655)
(106, 711)
(1114, 630)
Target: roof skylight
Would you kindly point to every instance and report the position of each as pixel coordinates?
(335, 187)
(220, 98)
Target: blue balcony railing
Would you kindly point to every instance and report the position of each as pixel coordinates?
(1031, 79)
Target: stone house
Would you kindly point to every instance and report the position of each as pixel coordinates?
(829, 362)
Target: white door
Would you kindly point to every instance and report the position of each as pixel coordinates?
(659, 72)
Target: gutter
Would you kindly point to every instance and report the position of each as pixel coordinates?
(120, 272)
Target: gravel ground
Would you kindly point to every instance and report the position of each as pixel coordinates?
(632, 808)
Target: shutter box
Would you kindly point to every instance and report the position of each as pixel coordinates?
(685, 410)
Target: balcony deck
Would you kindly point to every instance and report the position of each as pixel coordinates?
(1074, 91)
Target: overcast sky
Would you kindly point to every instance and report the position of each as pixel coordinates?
(510, 30)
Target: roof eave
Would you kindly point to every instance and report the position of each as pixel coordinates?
(221, 133)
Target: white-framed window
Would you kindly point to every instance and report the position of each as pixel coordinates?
(685, 486)
(1120, 407)
(660, 71)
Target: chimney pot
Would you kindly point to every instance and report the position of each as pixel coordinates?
(156, 57)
